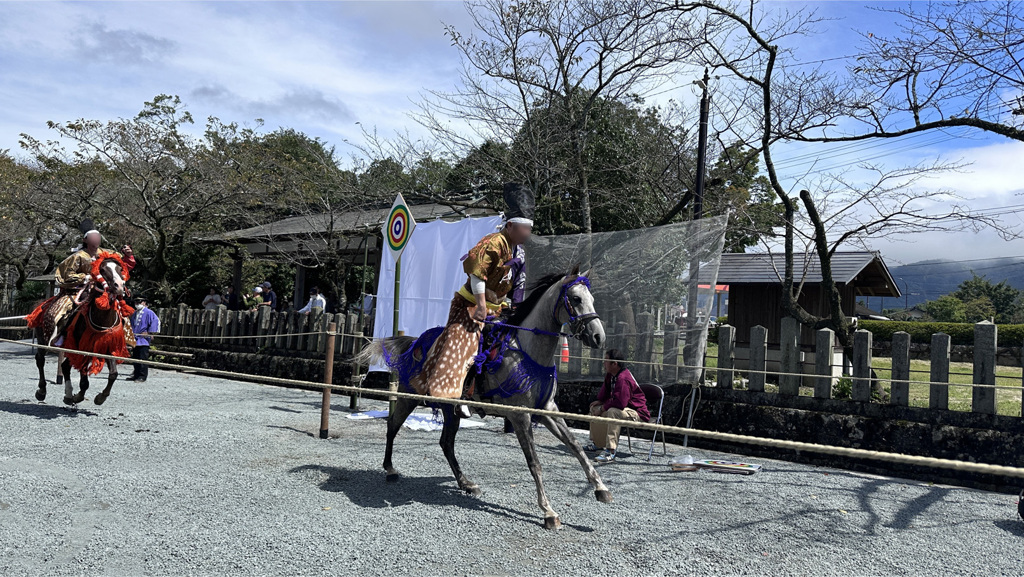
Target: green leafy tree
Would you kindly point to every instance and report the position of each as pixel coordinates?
(946, 309)
(979, 309)
(998, 300)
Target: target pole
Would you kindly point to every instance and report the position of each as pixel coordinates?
(393, 385)
(397, 230)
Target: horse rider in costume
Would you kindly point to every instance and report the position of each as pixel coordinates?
(494, 268)
(73, 278)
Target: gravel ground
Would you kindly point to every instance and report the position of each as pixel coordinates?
(192, 475)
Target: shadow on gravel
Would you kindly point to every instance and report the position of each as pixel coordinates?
(1011, 526)
(41, 411)
(368, 489)
(293, 429)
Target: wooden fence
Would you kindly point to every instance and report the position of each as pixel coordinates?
(260, 330)
(656, 356)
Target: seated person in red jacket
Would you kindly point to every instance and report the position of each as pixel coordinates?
(620, 398)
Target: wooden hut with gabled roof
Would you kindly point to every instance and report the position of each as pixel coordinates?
(755, 288)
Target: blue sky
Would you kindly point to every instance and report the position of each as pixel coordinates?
(323, 67)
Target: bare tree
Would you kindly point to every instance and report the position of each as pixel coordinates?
(557, 58)
(773, 99)
(950, 64)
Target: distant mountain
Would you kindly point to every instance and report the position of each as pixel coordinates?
(930, 279)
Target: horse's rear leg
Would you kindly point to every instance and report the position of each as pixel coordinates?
(41, 365)
(403, 408)
(111, 377)
(451, 428)
(561, 431)
(524, 432)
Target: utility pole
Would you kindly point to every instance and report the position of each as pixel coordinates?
(693, 347)
(702, 146)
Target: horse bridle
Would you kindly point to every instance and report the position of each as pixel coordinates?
(577, 323)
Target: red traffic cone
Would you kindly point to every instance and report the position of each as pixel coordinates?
(565, 350)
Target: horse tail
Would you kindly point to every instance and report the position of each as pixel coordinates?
(379, 350)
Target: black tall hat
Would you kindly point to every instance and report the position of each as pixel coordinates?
(520, 201)
(87, 226)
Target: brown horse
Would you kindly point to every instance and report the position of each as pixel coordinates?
(96, 325)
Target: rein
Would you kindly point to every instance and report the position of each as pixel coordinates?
(576, 322)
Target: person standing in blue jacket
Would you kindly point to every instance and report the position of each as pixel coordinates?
(145, 324)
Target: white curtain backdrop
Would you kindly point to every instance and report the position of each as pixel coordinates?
(431, 273)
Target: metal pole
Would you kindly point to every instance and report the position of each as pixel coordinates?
(393, 386)
(325, 402)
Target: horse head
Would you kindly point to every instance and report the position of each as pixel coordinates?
(109, 277)
(576, 308)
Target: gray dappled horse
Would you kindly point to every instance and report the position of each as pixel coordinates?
(557, 300)
(112, 287)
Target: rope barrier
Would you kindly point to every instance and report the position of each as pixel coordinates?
(899, 458)
(262, 336)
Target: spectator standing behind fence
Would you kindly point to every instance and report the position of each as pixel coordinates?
(269, 296)
(145, 324)
(620, 398)
(231, 299)
(316, 300)
(212, 300)
(255, 299)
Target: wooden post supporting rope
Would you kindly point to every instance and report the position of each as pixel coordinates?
(325, 403)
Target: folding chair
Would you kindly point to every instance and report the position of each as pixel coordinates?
(655, 396)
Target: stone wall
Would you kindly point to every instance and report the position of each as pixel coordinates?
(954, 435)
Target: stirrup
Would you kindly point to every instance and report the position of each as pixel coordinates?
(463, 411)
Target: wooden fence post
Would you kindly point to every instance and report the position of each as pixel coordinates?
(670, 353)
(758, 357)
(222, 323)
(824, 346)
(862, 366)
(316, 317)
(325, 401)
(983, 399)
(726, 356)
(938, 394)
(645, 346)
(899, 381)
(789, 380)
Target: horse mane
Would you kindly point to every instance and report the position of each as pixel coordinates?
(540, 287)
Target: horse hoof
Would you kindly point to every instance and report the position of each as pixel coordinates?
(79, 397)
(552, 523)
(40, 394)
(603, 496)
(69, 400)
(100, 398)
(473, 489)
(392, 477)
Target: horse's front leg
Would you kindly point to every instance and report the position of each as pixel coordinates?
(403, 408)
(561, 431)
(524, 432)
(451, 428)
(63, 373)
(111, 377)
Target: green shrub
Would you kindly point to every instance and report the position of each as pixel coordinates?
(843, 388)
(959, 333)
